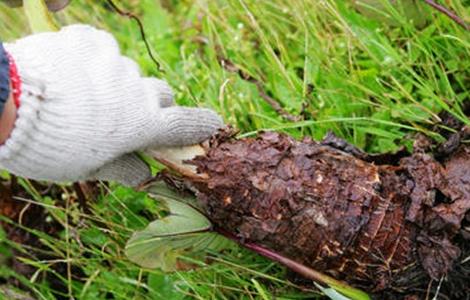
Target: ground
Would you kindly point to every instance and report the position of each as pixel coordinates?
(301, 67)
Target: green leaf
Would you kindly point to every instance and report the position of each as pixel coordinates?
(3, 235)
(185, 230)
(160, 190)
(381, 10)
(165, 286)
(331, 293)
(38, 16)
(263, 294)
(349, 292)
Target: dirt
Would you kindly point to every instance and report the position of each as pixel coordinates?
(25, 216)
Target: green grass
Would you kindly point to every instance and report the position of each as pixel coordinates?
(367, 82)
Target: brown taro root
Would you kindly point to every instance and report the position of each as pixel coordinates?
(377, 226)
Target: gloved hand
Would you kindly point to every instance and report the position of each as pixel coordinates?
(84, 109)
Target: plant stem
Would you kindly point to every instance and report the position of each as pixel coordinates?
(142, 31)
(297, 267)
(448, 13)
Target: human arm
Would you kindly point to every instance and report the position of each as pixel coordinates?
(7, 106)
(7, 120)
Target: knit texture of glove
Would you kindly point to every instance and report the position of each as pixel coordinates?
(85, 109)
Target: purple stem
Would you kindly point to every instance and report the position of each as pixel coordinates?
(448, 13)
(289, 263)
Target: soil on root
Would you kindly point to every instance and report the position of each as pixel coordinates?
(387, 228)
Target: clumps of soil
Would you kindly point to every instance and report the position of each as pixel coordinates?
(23, 216)
(387, 224)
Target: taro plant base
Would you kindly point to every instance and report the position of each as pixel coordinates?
(383, 223)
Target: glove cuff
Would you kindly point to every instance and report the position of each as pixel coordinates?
(27, 147)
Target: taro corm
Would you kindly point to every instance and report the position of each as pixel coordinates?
(384, 223)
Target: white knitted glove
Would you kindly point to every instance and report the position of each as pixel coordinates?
(85, 109)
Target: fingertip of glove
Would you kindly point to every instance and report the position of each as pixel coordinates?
(128, 170)
(210, 117)
(203, 117)
(187, 126)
